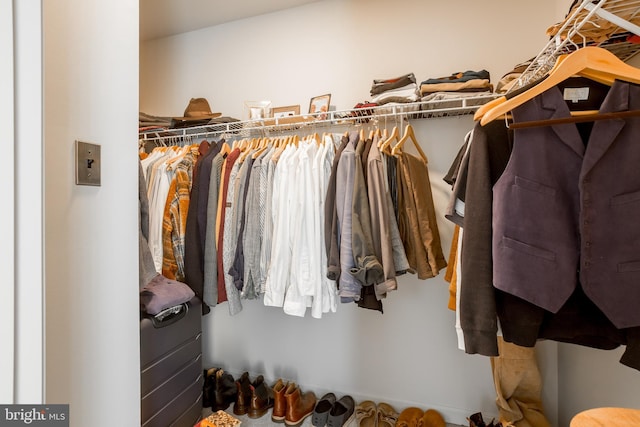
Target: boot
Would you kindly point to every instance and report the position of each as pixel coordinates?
(261, 398)
(279, 401)
(225, 391)
(243, 396)
(208, 387)
(299, 405)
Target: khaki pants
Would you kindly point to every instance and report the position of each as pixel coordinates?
(609, 417)
(518, 386)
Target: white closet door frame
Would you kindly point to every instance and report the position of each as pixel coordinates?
(26, 182)
(7, 190)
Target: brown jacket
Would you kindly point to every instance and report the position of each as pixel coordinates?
(417, 218)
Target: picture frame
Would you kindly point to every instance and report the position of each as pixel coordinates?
(257, 110)
(288, 111)
(319, 106)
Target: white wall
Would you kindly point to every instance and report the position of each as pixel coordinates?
(408, 355)
(336, 47)
(92, 306)
(7, 187)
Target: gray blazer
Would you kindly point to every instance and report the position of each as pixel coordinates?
(567, 212)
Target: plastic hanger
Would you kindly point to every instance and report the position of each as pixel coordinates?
(408, 134)
(592, 62)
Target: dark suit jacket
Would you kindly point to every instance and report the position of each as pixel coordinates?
(566, 210)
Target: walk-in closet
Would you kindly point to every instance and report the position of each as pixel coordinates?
(90, 71)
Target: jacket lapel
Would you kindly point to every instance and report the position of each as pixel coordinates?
(554, 107)
(605, 131)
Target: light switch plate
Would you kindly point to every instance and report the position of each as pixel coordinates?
(87, 163)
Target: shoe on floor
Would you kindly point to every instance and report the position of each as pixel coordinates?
(433, 418)
(410, 417)
(322, 409)
(342, 412)
(387, 416)
(366, 413)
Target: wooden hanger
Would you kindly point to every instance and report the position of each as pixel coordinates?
(225, 149)
(595, 63)
(408, 134)
(262, 147)
(386, 143)
(480, 112)
(591, 74)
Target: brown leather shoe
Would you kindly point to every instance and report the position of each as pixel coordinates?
(243, 396)
(261, 398)
(433, 418)
(299, 405)
(410, 417)
(279, 401)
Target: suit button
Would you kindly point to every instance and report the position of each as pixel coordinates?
(587, 264)
(588, 244)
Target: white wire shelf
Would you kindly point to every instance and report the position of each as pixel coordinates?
(603, 23)
(416, 110)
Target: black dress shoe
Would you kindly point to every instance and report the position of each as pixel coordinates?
(225, 391)
(208, 387)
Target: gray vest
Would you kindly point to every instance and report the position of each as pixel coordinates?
(566, 214)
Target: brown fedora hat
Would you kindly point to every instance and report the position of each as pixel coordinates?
(198, 109)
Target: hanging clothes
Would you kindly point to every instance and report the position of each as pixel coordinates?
(221, 220)
(385, 235)
(210, 268)
(580, 314)
(175, 217)
(277, 218)
(417, 223)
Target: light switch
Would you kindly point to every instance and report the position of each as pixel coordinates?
(87, 163)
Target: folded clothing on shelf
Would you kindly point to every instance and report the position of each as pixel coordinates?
(454, 99)
(402, 89)
(467, 81)
(507, 81)
(596, 29)
(162, 293)
(383, 85)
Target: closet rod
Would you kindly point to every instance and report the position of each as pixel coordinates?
(466, 105)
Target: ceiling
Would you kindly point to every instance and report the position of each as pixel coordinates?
(162, 18)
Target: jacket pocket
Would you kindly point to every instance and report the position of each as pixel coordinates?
(534, 186)
(528, 249)
(627, 267)
(623, 199)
